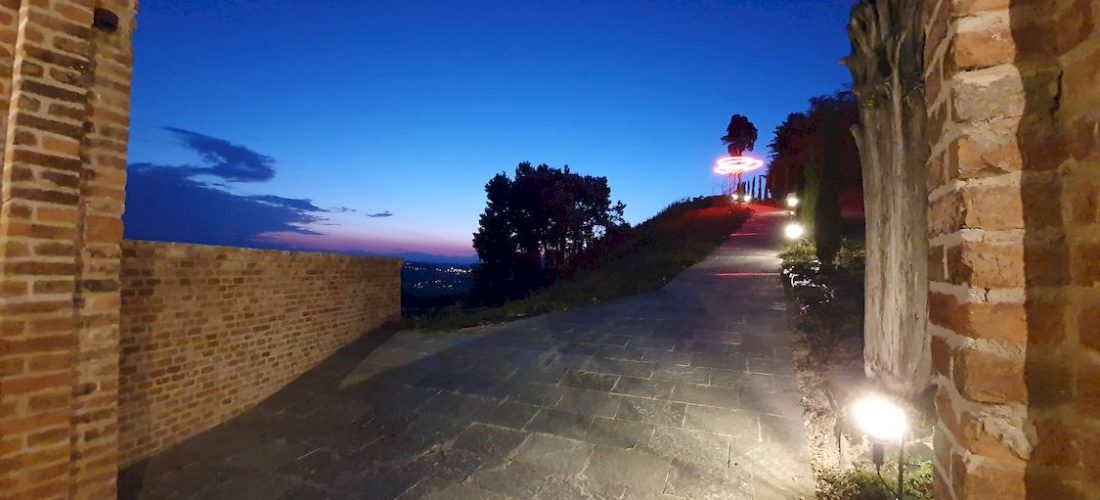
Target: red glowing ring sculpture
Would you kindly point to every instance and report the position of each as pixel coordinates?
(737, 165)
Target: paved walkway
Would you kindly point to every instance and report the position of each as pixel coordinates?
(683, 393)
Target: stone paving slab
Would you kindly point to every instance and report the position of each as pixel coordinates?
(687, 392)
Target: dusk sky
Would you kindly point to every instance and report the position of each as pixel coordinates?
(373, 126)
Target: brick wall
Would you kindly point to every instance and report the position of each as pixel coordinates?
(209, 331)
(105, 358)
(1014, 106)
(64, 112)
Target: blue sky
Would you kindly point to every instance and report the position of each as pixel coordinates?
(407, 108)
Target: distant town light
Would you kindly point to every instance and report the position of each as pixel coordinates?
(880, 418)
(794, 231)
(792, 200)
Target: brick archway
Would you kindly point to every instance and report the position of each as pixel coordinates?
(64, 93)
(1014, 89)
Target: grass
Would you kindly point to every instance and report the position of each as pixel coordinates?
(650, 255)
(864, 484)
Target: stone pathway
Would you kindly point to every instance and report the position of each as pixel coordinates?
(684, 393)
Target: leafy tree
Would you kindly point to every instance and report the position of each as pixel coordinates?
(534, 225)
(740, 135)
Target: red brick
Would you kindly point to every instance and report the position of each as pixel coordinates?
(1083, 196)
(1049, 378)
(990, 378)
(971, 7)
(941, 356)
(994, 207)
(982, 49)
(1086, 263)
(987, 265)
(1088, 389)
(1056, 444)
(1088, 322)
(32, 384)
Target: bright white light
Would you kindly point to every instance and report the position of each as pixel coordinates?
(735, 197)
(736, 165)
(792, 201)
(880, 418)
(794, 231)
(748, 198)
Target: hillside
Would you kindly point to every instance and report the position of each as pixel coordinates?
(650, 255)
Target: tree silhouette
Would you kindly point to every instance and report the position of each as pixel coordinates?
(788, 154)
(826, 126)
(534, 225)
(740, 135)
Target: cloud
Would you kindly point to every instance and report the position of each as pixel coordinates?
(175, 203)
(387, 213)
(224, 159)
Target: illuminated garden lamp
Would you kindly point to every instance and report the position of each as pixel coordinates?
(747, 198)
(792, 200)
(794, 231)
(885, 422)
(880, 418)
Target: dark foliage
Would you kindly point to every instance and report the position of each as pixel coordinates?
(831, 119)
(535, 226)
(740, 135)
(788, 155)
(815, 154)
(827, 123)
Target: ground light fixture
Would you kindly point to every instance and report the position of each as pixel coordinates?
(747, 199)
(885, 423)
(792, 200)
(794, 231)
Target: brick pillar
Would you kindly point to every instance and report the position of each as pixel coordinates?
(1013, 92)
(66, 84)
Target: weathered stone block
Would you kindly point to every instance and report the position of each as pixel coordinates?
(987, 94)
